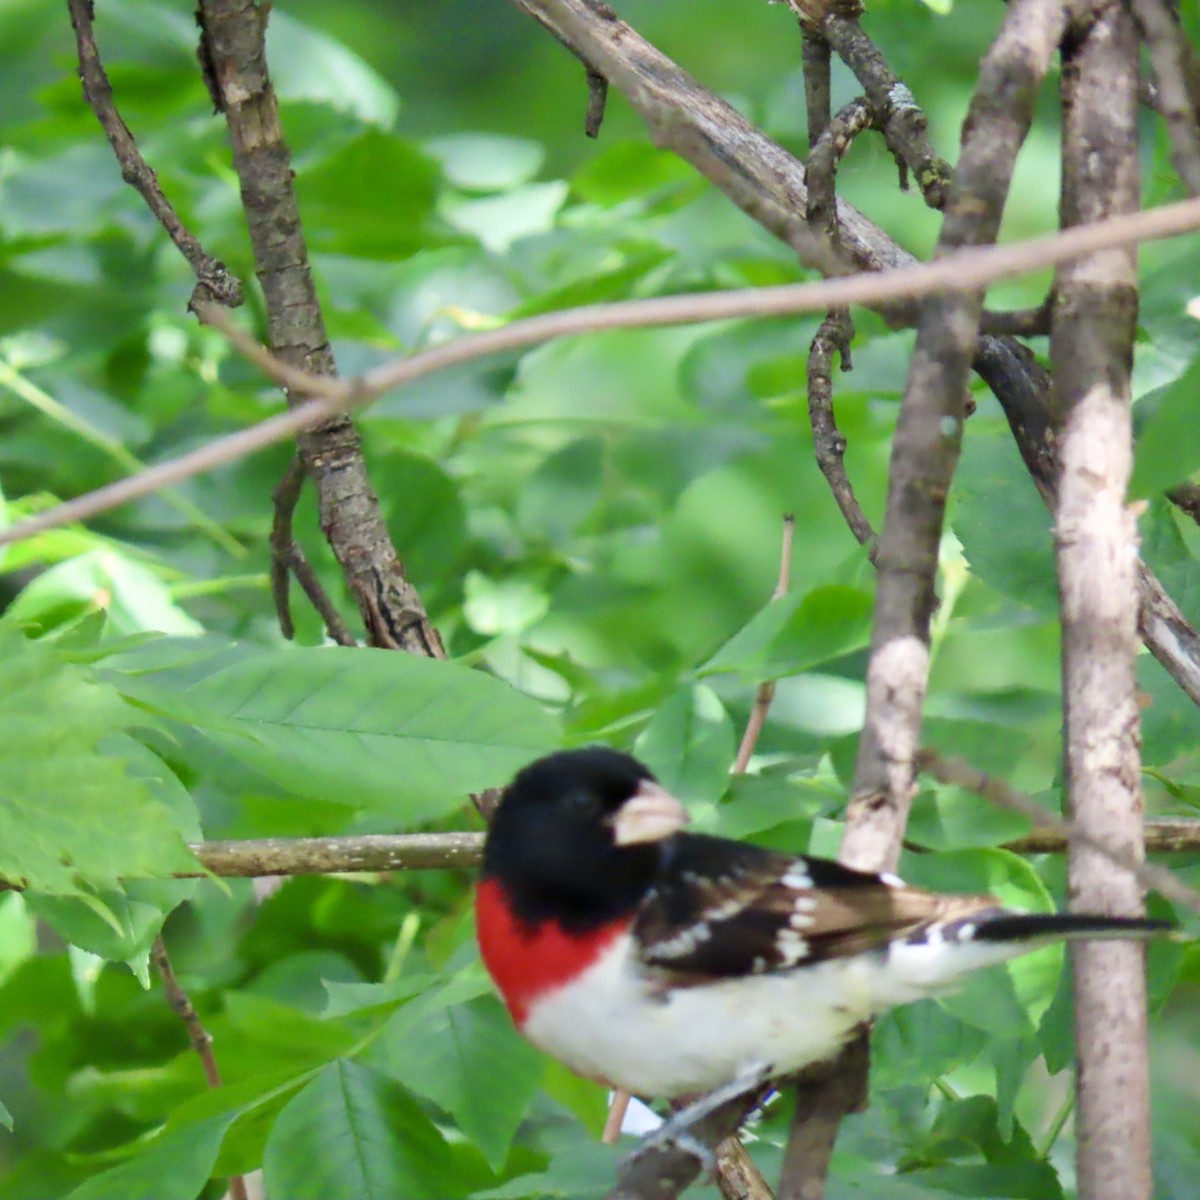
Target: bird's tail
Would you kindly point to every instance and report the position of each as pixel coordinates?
(1004, 925)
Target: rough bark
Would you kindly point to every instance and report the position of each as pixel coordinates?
(1094, 324)
(234, 56)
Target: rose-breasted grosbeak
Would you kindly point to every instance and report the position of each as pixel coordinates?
(669, 963)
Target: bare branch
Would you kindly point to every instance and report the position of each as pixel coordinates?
(660, 1172)
(1177, 76)
(765, 692)
(817, 103)
(901, 119)
(288, 559)
(439, 851)
(337, 855)
(97, 91)
(974, 268)
(928, 433)
(182, 1006)
(825, 1093)
(924, 454)
(233, 36)
(820, 168)
(1091, 351)
(1057, 834)
(828, 443)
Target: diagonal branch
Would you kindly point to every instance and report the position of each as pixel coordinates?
(211, 273)
(881, 289)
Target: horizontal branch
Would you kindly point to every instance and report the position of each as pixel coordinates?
(965, 270)
(338, 855)
(1001, 793)
(424, 851)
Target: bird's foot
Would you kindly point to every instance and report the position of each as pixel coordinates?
(677, 1131)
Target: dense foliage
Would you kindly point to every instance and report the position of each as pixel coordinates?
(593, 524)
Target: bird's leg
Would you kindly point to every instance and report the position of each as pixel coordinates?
(677, 1129)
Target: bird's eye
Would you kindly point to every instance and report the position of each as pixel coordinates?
(581, 802)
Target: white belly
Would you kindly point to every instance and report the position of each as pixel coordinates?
(611, 1024)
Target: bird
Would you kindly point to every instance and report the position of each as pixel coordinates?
(669, 963)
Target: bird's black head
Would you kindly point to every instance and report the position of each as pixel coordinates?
(578, 836)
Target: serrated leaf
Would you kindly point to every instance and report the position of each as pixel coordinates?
(468, 1059)
(71, 817)
(375, 1143)
(368, 728)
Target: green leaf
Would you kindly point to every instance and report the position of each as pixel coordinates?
(1167, 450)
(374, 1143)
(689, 745)
(796, 633)
(1002, 523)
(563, 490)
(1007, 1001)
(468, 1059)
(309, 65)
(582, 1170)
(368, 728)
(486, 162)
(627, 170)
(134, 597)
(375, 197)
(175, 1166)
(71, 816)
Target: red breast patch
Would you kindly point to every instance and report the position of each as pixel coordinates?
(526, 961)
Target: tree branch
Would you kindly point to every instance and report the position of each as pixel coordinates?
(212, 274)
(1091, 351)
(233, 37)
(439, 851)
(182, 1006)
(901, 120)
(1056, 835)
(1177, 78)
(969, 269)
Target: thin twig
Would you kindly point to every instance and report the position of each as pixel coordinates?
(817, 103)
(1177, 76)
(901, 120)
(288, 559)
(999, 792)
(766, 690)
(97, 91)
(963, 271)
(597, 101)
(828, 443)
(820, 167)
(1019, 322)
(201, 1039)
(337, 855)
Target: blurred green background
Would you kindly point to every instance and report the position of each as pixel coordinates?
(596, 521)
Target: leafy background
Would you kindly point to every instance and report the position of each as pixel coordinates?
(595, 523)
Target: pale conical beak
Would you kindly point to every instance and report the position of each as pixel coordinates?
(651, 814)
